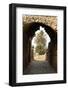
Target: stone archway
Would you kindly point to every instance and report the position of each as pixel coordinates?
(30, 25)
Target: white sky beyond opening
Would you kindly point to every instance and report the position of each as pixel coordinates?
(45, 34)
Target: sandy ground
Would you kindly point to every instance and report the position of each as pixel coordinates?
(39, 57)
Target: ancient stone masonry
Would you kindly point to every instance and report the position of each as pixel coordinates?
(30, 25)
(47, 20)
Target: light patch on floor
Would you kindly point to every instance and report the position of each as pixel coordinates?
(38, 57)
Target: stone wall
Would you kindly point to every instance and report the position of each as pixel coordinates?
(52, 55)
(47, 20)
(26, 50)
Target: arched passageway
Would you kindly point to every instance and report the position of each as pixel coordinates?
(39, 45)
(34, 67)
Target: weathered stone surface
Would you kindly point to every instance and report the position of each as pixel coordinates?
(48, 20)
